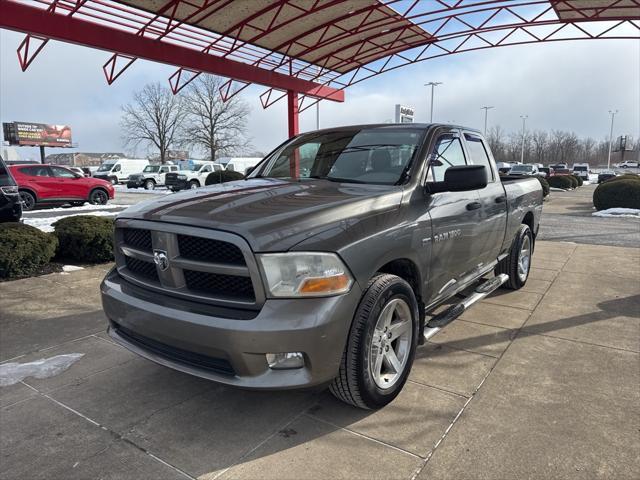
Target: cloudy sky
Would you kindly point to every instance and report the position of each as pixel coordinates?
(562, 85)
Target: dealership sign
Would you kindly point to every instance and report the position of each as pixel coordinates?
(404, 114)
(37, 134)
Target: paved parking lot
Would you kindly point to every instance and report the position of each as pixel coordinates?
(539, 383)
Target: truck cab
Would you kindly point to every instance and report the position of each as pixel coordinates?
(192, 176)
(151, 177)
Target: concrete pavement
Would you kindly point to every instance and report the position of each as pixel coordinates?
(539, 383)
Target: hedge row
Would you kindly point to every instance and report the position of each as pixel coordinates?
(24, 249)
(619, 192)
(544, 184)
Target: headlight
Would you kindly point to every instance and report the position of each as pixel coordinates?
(181, 177)
(309, 274)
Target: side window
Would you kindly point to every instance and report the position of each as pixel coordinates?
(117, 168)
(35, 171)
(205, 169)
(62, 172)
(447, 153)
(478, 154)
(306, 157)
(164, 169)
(174, 168)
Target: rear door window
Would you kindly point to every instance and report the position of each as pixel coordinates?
(478, 154)
(36, 171)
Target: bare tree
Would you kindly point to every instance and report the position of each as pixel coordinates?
(213, 126)
(154, 118)
(539, 145)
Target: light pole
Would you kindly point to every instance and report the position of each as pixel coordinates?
(524, 120)
(486, 111)
(613, 114)
(433, 86)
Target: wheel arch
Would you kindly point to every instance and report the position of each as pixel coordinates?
(30, 190)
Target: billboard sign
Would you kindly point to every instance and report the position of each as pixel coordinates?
(404, 114)
(37, 134)
(624, 143)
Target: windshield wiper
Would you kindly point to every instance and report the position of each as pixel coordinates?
(337, 179)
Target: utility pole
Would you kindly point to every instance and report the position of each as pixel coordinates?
(433, 85)
(486, 111)
(524, 120)
(613, 115)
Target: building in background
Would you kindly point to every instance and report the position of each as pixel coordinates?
(82, 159)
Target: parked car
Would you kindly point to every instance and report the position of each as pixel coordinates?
(561, 171)
(239, 164)
(118, 170)
(581, 170)
(151, 177)
(52, 184)
(545, 171)
(320, 266)
(191, 177)
(10, 203)
(605, 175)
(503, 167)
(628, 164)
(559, 166)
(524, 169)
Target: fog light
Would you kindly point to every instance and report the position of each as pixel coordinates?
(284, 361)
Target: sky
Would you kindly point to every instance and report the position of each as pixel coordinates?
(560, 85)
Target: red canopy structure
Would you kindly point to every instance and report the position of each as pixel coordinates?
(305, 50)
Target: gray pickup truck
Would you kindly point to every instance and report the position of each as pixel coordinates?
(325, 265)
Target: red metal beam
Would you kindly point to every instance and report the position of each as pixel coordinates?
(24, 18)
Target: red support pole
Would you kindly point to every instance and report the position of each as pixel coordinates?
(294, 129)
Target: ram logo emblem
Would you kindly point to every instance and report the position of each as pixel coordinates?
(161, 259)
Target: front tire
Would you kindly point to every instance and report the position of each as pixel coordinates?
(113, 180)
(518, 263)
(98, 197)
(381, 346)
(193, 184)
(149, 185)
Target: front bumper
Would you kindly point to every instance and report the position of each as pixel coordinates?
(135, 182)
(195, 339)
(10, 207)
(177, 184)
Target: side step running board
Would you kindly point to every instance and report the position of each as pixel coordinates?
(450, 314)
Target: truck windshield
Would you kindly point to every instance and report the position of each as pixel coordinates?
(106, 167)
(375, 156)
(151, 169)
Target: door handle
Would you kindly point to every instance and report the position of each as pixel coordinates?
(474, 205)
(501, 199)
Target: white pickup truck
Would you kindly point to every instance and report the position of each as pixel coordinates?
(151, 177)
(191, 177)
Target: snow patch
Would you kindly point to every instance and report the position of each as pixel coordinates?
(71, 268)
(556, 189)
(89, 207)
(618, 212)
(156, 191)
(46, 224)
(13, 372)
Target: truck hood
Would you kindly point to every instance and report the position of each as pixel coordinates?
(271, 214)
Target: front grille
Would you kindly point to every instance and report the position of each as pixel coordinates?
(217, 365)
(171, 179)
(142, 268)
(137, 238)
(209, 250)
(201, 265)
(218, 284)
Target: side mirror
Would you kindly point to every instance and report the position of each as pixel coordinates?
(461, 178)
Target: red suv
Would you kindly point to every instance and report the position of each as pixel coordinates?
(51, 184)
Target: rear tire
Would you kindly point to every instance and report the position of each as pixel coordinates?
(381, 346)
(28, 200)
(517, 264)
